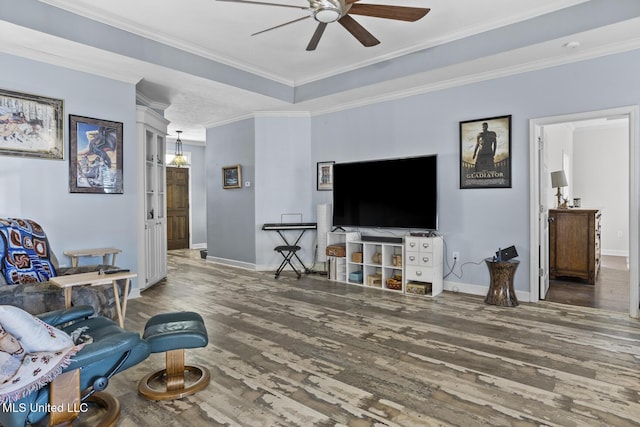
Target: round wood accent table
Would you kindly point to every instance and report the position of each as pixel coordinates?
(501, 288)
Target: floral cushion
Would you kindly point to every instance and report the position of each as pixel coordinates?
(45, 352)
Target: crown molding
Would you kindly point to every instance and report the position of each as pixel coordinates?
(141, 98)
(258, 115)
(610, 49)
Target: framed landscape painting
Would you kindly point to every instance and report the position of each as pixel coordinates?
(485, 153)
(95, 160)
(31, 126)
(231, 177)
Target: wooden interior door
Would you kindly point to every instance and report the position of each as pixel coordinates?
(177, 208)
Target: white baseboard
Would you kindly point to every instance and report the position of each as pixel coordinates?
(615, 252)
(198, 246)
(232, 263)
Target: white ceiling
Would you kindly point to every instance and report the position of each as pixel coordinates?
(221, 33)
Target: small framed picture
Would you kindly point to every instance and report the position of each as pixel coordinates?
(231, 177)
(485, 153)
(325, 176)
(95, 158)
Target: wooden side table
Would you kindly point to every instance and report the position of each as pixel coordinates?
(94, 279)
(105, 253)
(501, 287)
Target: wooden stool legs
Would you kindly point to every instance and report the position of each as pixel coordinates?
(175, 387)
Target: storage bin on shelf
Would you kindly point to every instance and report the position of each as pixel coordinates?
(374, 280)
(337, 250)
(418, 288)
(394, 283)
(355, 276)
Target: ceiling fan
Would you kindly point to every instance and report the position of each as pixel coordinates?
(328, 11)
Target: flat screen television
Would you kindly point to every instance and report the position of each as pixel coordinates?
(393, 193)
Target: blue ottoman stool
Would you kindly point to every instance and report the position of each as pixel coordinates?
(171, 333)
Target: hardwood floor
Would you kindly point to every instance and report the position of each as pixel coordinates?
(610, 292)
(310, 352)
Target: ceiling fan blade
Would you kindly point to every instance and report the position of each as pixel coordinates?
(281, 25)
(400, 13)
(313, 43)
(358, 31)
(266, 4)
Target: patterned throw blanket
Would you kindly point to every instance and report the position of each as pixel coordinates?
(32, 353)
(24, 252)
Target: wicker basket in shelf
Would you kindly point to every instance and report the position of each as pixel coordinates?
(394, 283)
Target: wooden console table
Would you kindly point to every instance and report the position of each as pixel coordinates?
(501, 290)
(68, 282)
(103, 252)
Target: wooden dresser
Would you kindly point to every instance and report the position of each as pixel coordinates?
(574, 243)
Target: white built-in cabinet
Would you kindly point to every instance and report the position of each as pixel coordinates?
(152, 131)
(388, 265)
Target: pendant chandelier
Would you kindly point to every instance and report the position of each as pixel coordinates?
(179, 159)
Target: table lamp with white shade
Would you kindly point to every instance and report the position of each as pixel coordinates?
(559, 180)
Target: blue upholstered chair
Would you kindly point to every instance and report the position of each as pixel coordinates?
(112, 350)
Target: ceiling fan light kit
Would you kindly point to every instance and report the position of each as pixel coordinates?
(327, 15)
(328, 11)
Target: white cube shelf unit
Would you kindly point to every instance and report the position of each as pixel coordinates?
(337, 265)
(385, 265)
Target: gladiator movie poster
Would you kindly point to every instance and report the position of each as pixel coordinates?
(485, 153)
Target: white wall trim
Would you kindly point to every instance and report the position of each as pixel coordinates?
(232, 263)
(614, 252)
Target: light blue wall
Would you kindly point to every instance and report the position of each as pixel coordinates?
(282, 185)
(231, 213)
(39, 189)
(476, 222)
(198, 195)
(274, 154)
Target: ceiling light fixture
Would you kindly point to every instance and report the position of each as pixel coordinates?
(179, 159)
(326, 11)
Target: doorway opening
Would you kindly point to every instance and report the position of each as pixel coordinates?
(612, 274)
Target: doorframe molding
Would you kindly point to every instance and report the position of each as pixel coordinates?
(632, 112)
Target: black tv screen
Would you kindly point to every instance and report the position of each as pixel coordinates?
(395, 193)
